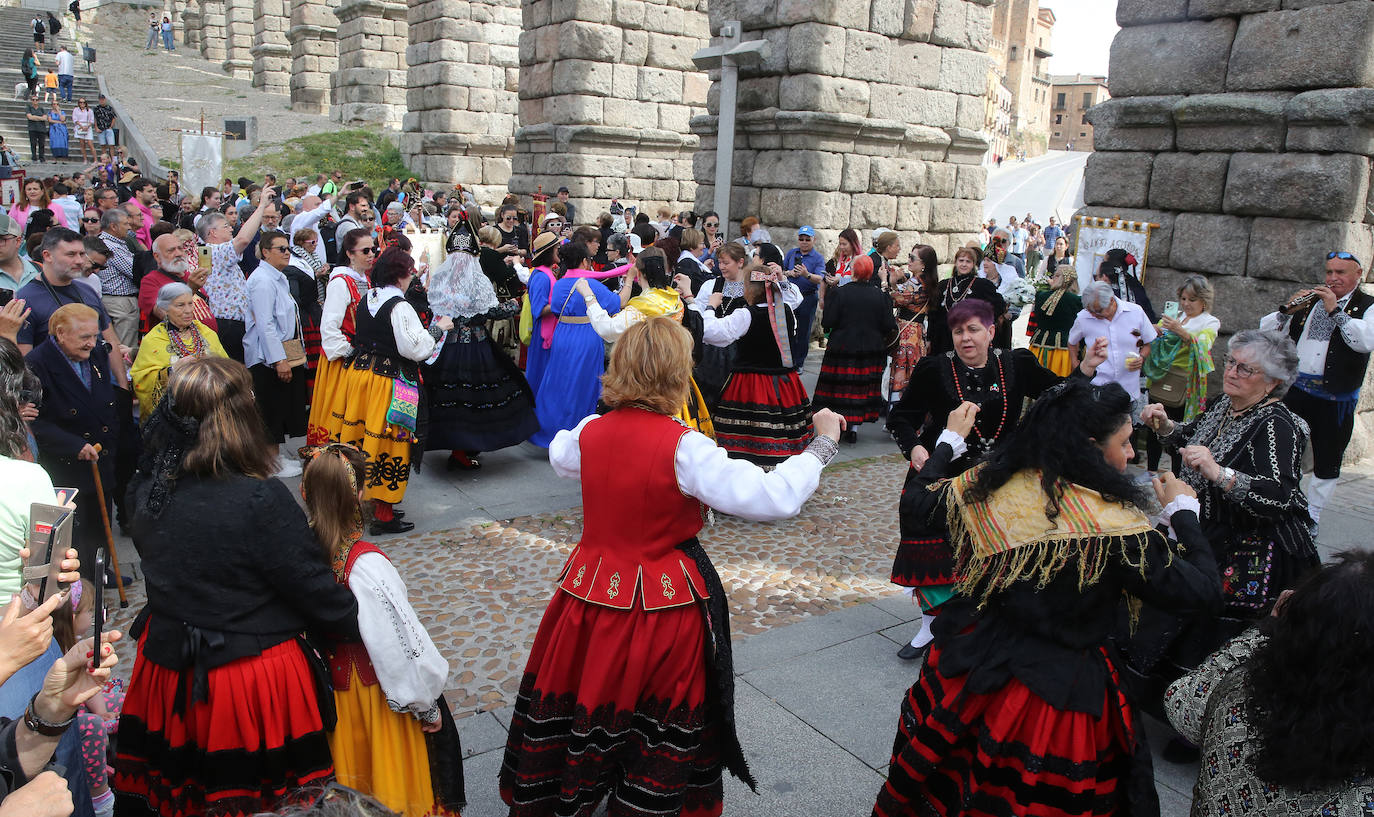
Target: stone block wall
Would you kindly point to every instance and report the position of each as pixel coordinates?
(212, 31)
(313, 36)
(191, 25)
(271, 51)
(865, 114)
(370, 83)
(462, 103)
(1245, 128)
(607, 90)
(238, 42)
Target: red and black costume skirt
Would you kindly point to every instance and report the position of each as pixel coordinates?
(614, 703)
(851, 384)
(763, 417)
(1005, 753)
(256, 739)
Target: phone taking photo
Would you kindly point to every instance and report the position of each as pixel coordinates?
(1171, 309)
(98, 606)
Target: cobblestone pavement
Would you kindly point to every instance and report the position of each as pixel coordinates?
(162, 90)
(482, 588)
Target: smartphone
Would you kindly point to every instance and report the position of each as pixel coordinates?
(98, 605)
(203, 261)
(6, 295)
(1171, 309)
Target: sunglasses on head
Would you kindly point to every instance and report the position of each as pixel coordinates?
(1343, 255)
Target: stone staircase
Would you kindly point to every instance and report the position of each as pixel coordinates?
(16, 34)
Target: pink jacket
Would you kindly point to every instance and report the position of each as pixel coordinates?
(21, 215)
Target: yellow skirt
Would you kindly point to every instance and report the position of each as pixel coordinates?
(695, 414)
(1056, 360)
(328, 377)
(380, 752)
(350, 407)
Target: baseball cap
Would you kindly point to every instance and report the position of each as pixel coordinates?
(806, 230)
(9, 226)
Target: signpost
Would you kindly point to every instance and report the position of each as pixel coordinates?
(728, 56)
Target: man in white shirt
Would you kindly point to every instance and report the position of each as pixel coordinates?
(65, 74)
(313, 210)
(1128, 333)
(1334, 337)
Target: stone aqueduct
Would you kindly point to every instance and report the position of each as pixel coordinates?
(865, 112)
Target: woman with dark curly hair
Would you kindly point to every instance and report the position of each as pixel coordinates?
(1293, 697)
(1020, 708)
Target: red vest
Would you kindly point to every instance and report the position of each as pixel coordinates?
(349, 654)
(635, 516)
(349, 325)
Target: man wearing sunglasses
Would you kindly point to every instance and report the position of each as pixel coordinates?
(1328, 323)
(15, 270)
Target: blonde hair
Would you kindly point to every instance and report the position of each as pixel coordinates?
(490, 236)
(330, 488)
(64, 316)
(651, 367)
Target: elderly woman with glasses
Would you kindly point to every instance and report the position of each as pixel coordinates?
(1243, 456)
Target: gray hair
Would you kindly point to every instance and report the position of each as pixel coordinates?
(170, 292)
(1097, 295)
(208, 222)
(1201, 289)
(620, 242)
(112, 217)
(1274, 353)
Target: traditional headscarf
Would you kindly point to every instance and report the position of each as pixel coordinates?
(167, 436)
(459, 288)
(769, 254)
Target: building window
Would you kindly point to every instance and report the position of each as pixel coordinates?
(1082, 133)
(1085, 119)
(1057, 133)
(1087, 100)
(1059, 119)
(1059, 101)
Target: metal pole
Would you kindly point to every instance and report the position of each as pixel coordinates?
(725, 139)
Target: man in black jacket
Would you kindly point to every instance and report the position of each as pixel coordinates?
(1334, 338)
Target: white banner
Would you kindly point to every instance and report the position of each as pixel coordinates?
(1098, 235)
(202, 157)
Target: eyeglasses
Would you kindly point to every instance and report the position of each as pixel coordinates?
(369, 250)
(91, 220)
(713, 224)
(1242, 370)
(1343, 255)
(278, 248)
(99, 267)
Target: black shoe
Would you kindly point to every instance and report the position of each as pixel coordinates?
(463, 461)
(110, 579)
(910, 653)
(850, 436)
(398, 513)
(392, 526)
(1180, 751)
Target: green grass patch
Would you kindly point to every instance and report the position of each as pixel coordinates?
(360, 154)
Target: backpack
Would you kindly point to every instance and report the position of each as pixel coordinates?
(329, 236)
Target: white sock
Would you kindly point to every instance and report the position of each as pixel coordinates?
(924, 636)
(1319, 493)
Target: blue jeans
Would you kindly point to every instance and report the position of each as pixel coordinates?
(805, 315)
(167, 41)
(64, 87)
(105, 137)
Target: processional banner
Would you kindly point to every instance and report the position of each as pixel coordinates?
(1098, 236)
(202, 157)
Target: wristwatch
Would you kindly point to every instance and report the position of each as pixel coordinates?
(42, 727)
(1226, 476)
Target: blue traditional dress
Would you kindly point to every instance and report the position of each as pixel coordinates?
(57, 135)
(572, 376)
(537, 358)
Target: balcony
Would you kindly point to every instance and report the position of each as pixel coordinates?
(1043, 79)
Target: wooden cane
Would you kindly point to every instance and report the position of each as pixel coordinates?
(109, 534)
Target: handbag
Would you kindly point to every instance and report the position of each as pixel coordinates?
(526, 320)
(1171, 389)
(405, 404)
(295, 347)
(1246, 574)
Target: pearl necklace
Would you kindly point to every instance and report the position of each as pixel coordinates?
(997, 387)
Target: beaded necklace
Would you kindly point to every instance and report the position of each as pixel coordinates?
(996, 386)
(179, 347)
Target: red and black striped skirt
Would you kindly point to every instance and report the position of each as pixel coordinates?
(257, 738)
(613, 703)
(851, 384)
(1005, 753)
(763, 418)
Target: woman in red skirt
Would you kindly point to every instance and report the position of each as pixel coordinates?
(859, 319)
(764, 414)
(629, 689)
(227, 707)
(1020, 710)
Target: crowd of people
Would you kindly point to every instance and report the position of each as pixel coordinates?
(166, 359)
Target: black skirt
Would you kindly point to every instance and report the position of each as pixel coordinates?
(282, 405)
(478, 399)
